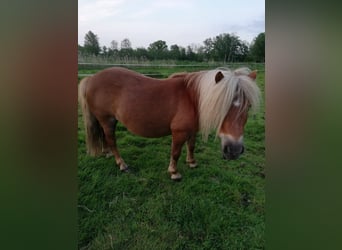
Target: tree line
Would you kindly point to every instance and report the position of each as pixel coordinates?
(224, 47)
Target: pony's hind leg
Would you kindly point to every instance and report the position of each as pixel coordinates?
(190, 146)
(109, 130)
(106, 149)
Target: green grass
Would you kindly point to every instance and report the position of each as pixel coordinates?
(219, 205)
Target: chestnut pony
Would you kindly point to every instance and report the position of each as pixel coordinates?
(181, 106)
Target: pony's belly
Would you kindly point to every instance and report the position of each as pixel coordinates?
(146, 124)
(149, 131)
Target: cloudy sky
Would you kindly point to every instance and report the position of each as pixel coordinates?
(181, 22)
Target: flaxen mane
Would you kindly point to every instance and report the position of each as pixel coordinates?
(215, 99)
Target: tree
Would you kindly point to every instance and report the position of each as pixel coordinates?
(223, 45)
(126, 53)
(174, 52)
(182, 55)
(104, 51)
(226, 48)
(208, 47)
(113, 51)
(141, 54)
(80, 49)
(126, 44)
(158, 49)
(257, 49)
(242, 52)
(190, 54)
(91, 44)
(114, 45)
(200, 54)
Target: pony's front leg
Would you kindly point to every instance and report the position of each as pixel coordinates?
(190, 151)
(178, 140)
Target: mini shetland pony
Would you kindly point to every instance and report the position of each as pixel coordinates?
(181, 105)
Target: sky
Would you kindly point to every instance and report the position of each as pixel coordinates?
(181, 22)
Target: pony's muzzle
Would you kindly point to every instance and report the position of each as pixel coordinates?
(232, 147)
(232, 151)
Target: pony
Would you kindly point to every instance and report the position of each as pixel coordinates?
(181, 106)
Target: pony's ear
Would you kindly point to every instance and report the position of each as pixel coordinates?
(218, 76)
(253, 74)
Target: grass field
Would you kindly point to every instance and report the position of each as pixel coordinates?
(219, 205)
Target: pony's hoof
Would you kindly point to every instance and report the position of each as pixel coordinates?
(176, 177)
(125, 170)
(109, 154)
(193, 165)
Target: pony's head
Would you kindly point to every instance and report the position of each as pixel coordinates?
(246, 95)
(225, 98)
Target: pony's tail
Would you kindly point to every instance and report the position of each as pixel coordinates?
(94, 132)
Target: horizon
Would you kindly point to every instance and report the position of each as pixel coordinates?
(177, 22)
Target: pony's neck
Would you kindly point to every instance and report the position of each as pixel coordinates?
(191, 81)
